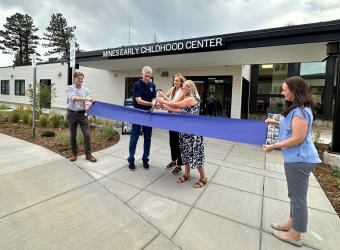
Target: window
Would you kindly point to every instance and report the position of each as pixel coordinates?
(270, 79)
(19, 87)
(129, 81)
(312, 68)
(315, 75)
(316, 87)
(129, 90)
(5, 87)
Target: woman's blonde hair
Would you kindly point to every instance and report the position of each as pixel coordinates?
(191, 85)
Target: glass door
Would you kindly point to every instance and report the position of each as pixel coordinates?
(219, 96)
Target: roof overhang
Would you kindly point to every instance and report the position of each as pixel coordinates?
(301, 43)
(262, 55)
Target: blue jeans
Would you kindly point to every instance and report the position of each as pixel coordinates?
(135, 131)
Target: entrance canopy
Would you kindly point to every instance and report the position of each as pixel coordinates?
(261, 55)
(300, 43)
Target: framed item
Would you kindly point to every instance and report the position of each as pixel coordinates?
(273, 131)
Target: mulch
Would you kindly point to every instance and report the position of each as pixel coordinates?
(24, 132)
(329, 182)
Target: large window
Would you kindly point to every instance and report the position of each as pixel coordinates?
(129, 90)
(315, 74)
(19, 87)
(312, 68)
(5, 87)
(129, 81)
(269, 82)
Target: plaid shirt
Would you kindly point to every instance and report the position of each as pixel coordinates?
(72, 91)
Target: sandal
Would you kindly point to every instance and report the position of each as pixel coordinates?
(171, 164)
(176, 170)
(200, 183)
(183, 178)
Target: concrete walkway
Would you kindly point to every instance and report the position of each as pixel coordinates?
(47, 202)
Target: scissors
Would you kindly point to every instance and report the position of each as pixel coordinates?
(153, 106)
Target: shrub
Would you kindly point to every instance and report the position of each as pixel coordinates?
(43, 121)
(47, 133)
(55, 120)
(14, 117)
(25, 117)
(20, 107)
(4, 106)
(335, 171)
(64, 139)
(106, 132)
(65, 123)
(30, 120)
(4, 116)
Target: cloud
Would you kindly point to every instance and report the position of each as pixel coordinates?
(105, 24)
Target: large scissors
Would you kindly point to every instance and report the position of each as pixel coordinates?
(153, 106)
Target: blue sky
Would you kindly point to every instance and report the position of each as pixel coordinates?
(105, 24)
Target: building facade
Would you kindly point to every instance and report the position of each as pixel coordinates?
(238, 75)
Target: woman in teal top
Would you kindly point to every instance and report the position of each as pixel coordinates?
(299, 153)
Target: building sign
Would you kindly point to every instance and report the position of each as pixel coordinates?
(73, 53)
(193, 44)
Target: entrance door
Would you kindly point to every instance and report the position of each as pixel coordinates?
(219, 96)
(215, 93)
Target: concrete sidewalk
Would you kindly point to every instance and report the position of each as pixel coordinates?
(47, 202)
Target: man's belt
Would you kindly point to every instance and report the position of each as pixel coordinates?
(76, 111)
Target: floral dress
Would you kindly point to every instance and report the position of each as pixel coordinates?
(192, 148)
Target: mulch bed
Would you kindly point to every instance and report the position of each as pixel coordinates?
(24, 132)
(329, 182)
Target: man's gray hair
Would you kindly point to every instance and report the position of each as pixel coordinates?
(147, 69)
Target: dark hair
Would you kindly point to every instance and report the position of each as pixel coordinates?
(302, 97)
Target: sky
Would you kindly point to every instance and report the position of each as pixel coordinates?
(103, 24)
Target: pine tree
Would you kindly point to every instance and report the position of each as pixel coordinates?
(19, 38)
(59, 36)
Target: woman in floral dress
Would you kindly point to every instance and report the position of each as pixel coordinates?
(192, 148)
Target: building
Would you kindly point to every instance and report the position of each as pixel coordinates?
(238, 75)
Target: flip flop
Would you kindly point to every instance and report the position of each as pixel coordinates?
(276, 226)
(297, 243)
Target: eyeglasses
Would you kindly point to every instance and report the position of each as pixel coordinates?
(146, 76)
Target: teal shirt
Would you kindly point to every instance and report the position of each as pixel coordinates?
(306, 151)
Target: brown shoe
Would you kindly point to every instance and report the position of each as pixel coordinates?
(91, 158)
(73, 157)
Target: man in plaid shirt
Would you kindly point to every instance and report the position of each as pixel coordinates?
(78, 101)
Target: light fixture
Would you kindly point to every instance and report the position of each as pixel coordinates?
(12, 76)
(266, 66)
(59, 74)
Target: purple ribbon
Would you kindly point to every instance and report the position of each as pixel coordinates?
(236, 130)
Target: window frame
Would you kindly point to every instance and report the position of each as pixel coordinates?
(18, 91)
(7, 88)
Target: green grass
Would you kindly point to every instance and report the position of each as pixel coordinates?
(65, 139)
(106, 132)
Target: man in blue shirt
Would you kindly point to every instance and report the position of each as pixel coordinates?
(144, 93)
